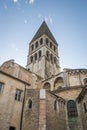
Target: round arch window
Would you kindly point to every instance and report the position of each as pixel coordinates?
(41, 41)
(47, 86)
(71, 108)
(59, 83)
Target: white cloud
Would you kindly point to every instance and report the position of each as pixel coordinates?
(50, 19)
(25, 21)
(15, 1)
(5, 7)
(46, 19)
(31, 1)
(16, 49)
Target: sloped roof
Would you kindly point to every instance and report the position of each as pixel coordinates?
(82, 94)
(44, 30)
(15, 70)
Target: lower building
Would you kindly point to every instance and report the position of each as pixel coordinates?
(28, 102)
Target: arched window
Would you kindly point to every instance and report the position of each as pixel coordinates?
(41, 41)
(32, 47)
(31, 59)
(40, 54)
(58, 83)
(30, 104)
(47, 86)
(55, 105)
(85, 107)
(35, 56)
(47, 41)
(36, 44)
(55, 60)
(51, 57)
(51, 45)
(85, 81)
(71, 108)
(47, 54)
(54, 48)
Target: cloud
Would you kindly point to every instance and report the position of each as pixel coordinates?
(46, 19)
(49, 19)
(25, 21)
(31, 1)
(5, 6)
(15, 1)
(16, 49)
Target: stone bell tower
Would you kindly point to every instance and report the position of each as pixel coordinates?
(43, 56)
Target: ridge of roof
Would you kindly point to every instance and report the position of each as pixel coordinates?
(44, 29)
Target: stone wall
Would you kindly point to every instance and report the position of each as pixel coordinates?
(44, 115)
(10, 109)
(71, 78)
(31, 115)
(55, 117)
(15, 70)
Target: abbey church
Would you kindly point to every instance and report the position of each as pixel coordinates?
(41, 96)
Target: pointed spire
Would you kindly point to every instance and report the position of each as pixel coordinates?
(44, 30)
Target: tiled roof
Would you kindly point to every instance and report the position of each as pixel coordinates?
(44, 30)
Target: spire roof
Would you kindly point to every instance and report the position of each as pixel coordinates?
(43, 29)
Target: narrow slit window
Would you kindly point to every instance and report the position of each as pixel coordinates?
(31, 59)
(51, 45)
(47, 54)
(41, 41)
(55, 105)
(55, 60)
(40, 54)
(36, 44)
(32, 47)
(54, 48)
(35, 56)
(30, 104)
(47, 41)
(85, 107)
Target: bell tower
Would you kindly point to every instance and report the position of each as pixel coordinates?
(43, 56)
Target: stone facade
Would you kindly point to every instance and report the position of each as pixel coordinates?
(40, 96)
(14, 80)
(47, 112)
(55, 114)
(10, 109)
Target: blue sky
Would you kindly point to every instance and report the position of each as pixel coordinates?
(67, 20)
